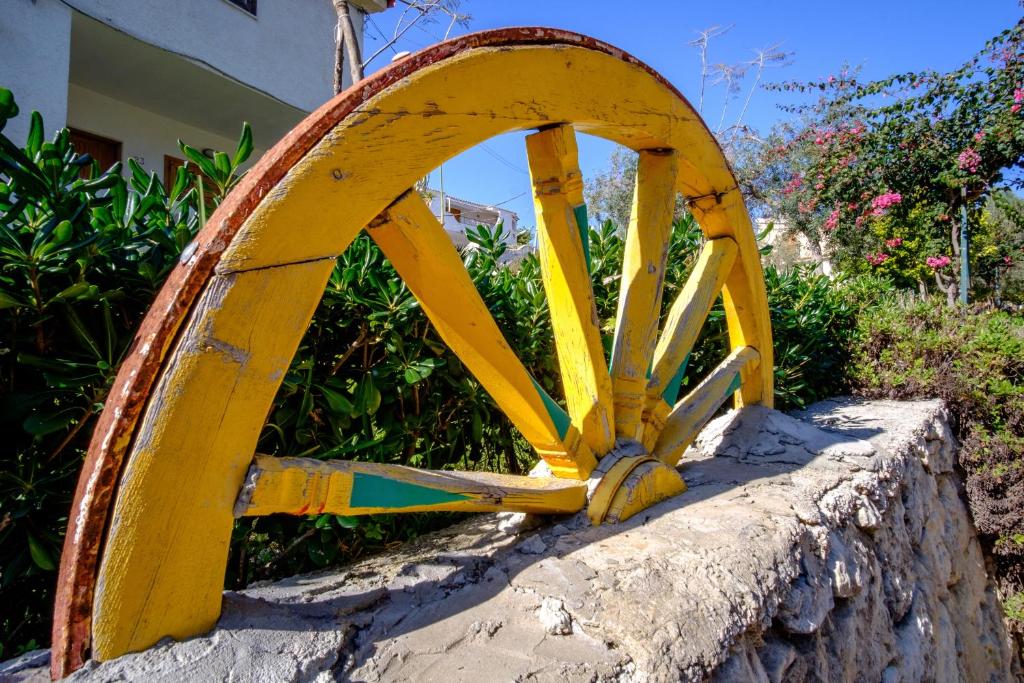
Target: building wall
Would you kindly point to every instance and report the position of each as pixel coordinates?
(789, 248)
(35, 43)
(457, 229)
(144, 135)
(286, 51)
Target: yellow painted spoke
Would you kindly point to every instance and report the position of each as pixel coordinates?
(423, 254)
(682, 327)
(693, 412)
(643, 275)
(304, 486)
(558, 199)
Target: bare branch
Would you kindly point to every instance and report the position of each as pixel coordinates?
(419, 12)
(766, 57)
(345, 39)
(731, 75)
(701, 43)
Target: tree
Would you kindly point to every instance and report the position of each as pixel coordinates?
(413, 13)
(879, 171)
(609, 195)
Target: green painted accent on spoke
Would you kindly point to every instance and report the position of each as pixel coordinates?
(372, 491)
(580, 212)
(734, 386)
(671, 393)
(555, 412)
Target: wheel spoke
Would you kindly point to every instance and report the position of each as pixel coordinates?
(693, 412)
(561, 236)
(682, 327)
(423, 254)
(305, 486)
(643, 277)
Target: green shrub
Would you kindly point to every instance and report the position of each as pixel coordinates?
(974, 361)
(80, 260)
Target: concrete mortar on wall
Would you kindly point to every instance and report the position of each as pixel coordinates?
(831, 547)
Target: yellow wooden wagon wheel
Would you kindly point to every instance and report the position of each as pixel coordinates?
(172, 460)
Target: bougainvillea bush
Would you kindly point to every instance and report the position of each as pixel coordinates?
(876, 173)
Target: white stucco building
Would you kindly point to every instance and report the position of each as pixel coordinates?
(461, 214)
(788, 247)
(130, 77)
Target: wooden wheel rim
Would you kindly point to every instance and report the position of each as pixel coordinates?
(332, 175)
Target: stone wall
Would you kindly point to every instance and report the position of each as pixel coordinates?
(831, 547)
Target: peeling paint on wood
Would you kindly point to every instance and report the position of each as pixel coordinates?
(699, 406)
(299, 486)
(643, 277)
(557, 191)
(425, 257)
(682, 327)
(162, 571)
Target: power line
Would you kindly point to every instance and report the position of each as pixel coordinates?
(502, 159)
(510, 199)
(383, 37)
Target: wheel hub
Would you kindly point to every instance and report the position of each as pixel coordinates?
(628, 480)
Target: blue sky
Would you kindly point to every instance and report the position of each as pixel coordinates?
(880, 36)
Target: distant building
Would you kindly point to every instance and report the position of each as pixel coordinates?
(460, 214)
(130, 77)
(789, 248)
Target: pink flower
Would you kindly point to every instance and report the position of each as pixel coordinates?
(877, 259)
(937, 262)
(883, 201)
(979, 136)
(794, 183)
(969, 160)
(832, 221)
(1007, 261)
(894, 242)
(1018, 95)
(819, 186)
(1015, 108)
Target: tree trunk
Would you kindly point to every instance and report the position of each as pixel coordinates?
(346, 48)
(950, 288)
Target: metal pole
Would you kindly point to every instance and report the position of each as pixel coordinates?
(440, 175)
(965, 267)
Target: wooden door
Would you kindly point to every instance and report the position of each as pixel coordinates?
(104, 150)
(171, 166)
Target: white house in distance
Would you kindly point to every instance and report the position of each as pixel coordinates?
(789, 248)
(130, 77)
(460, 214)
